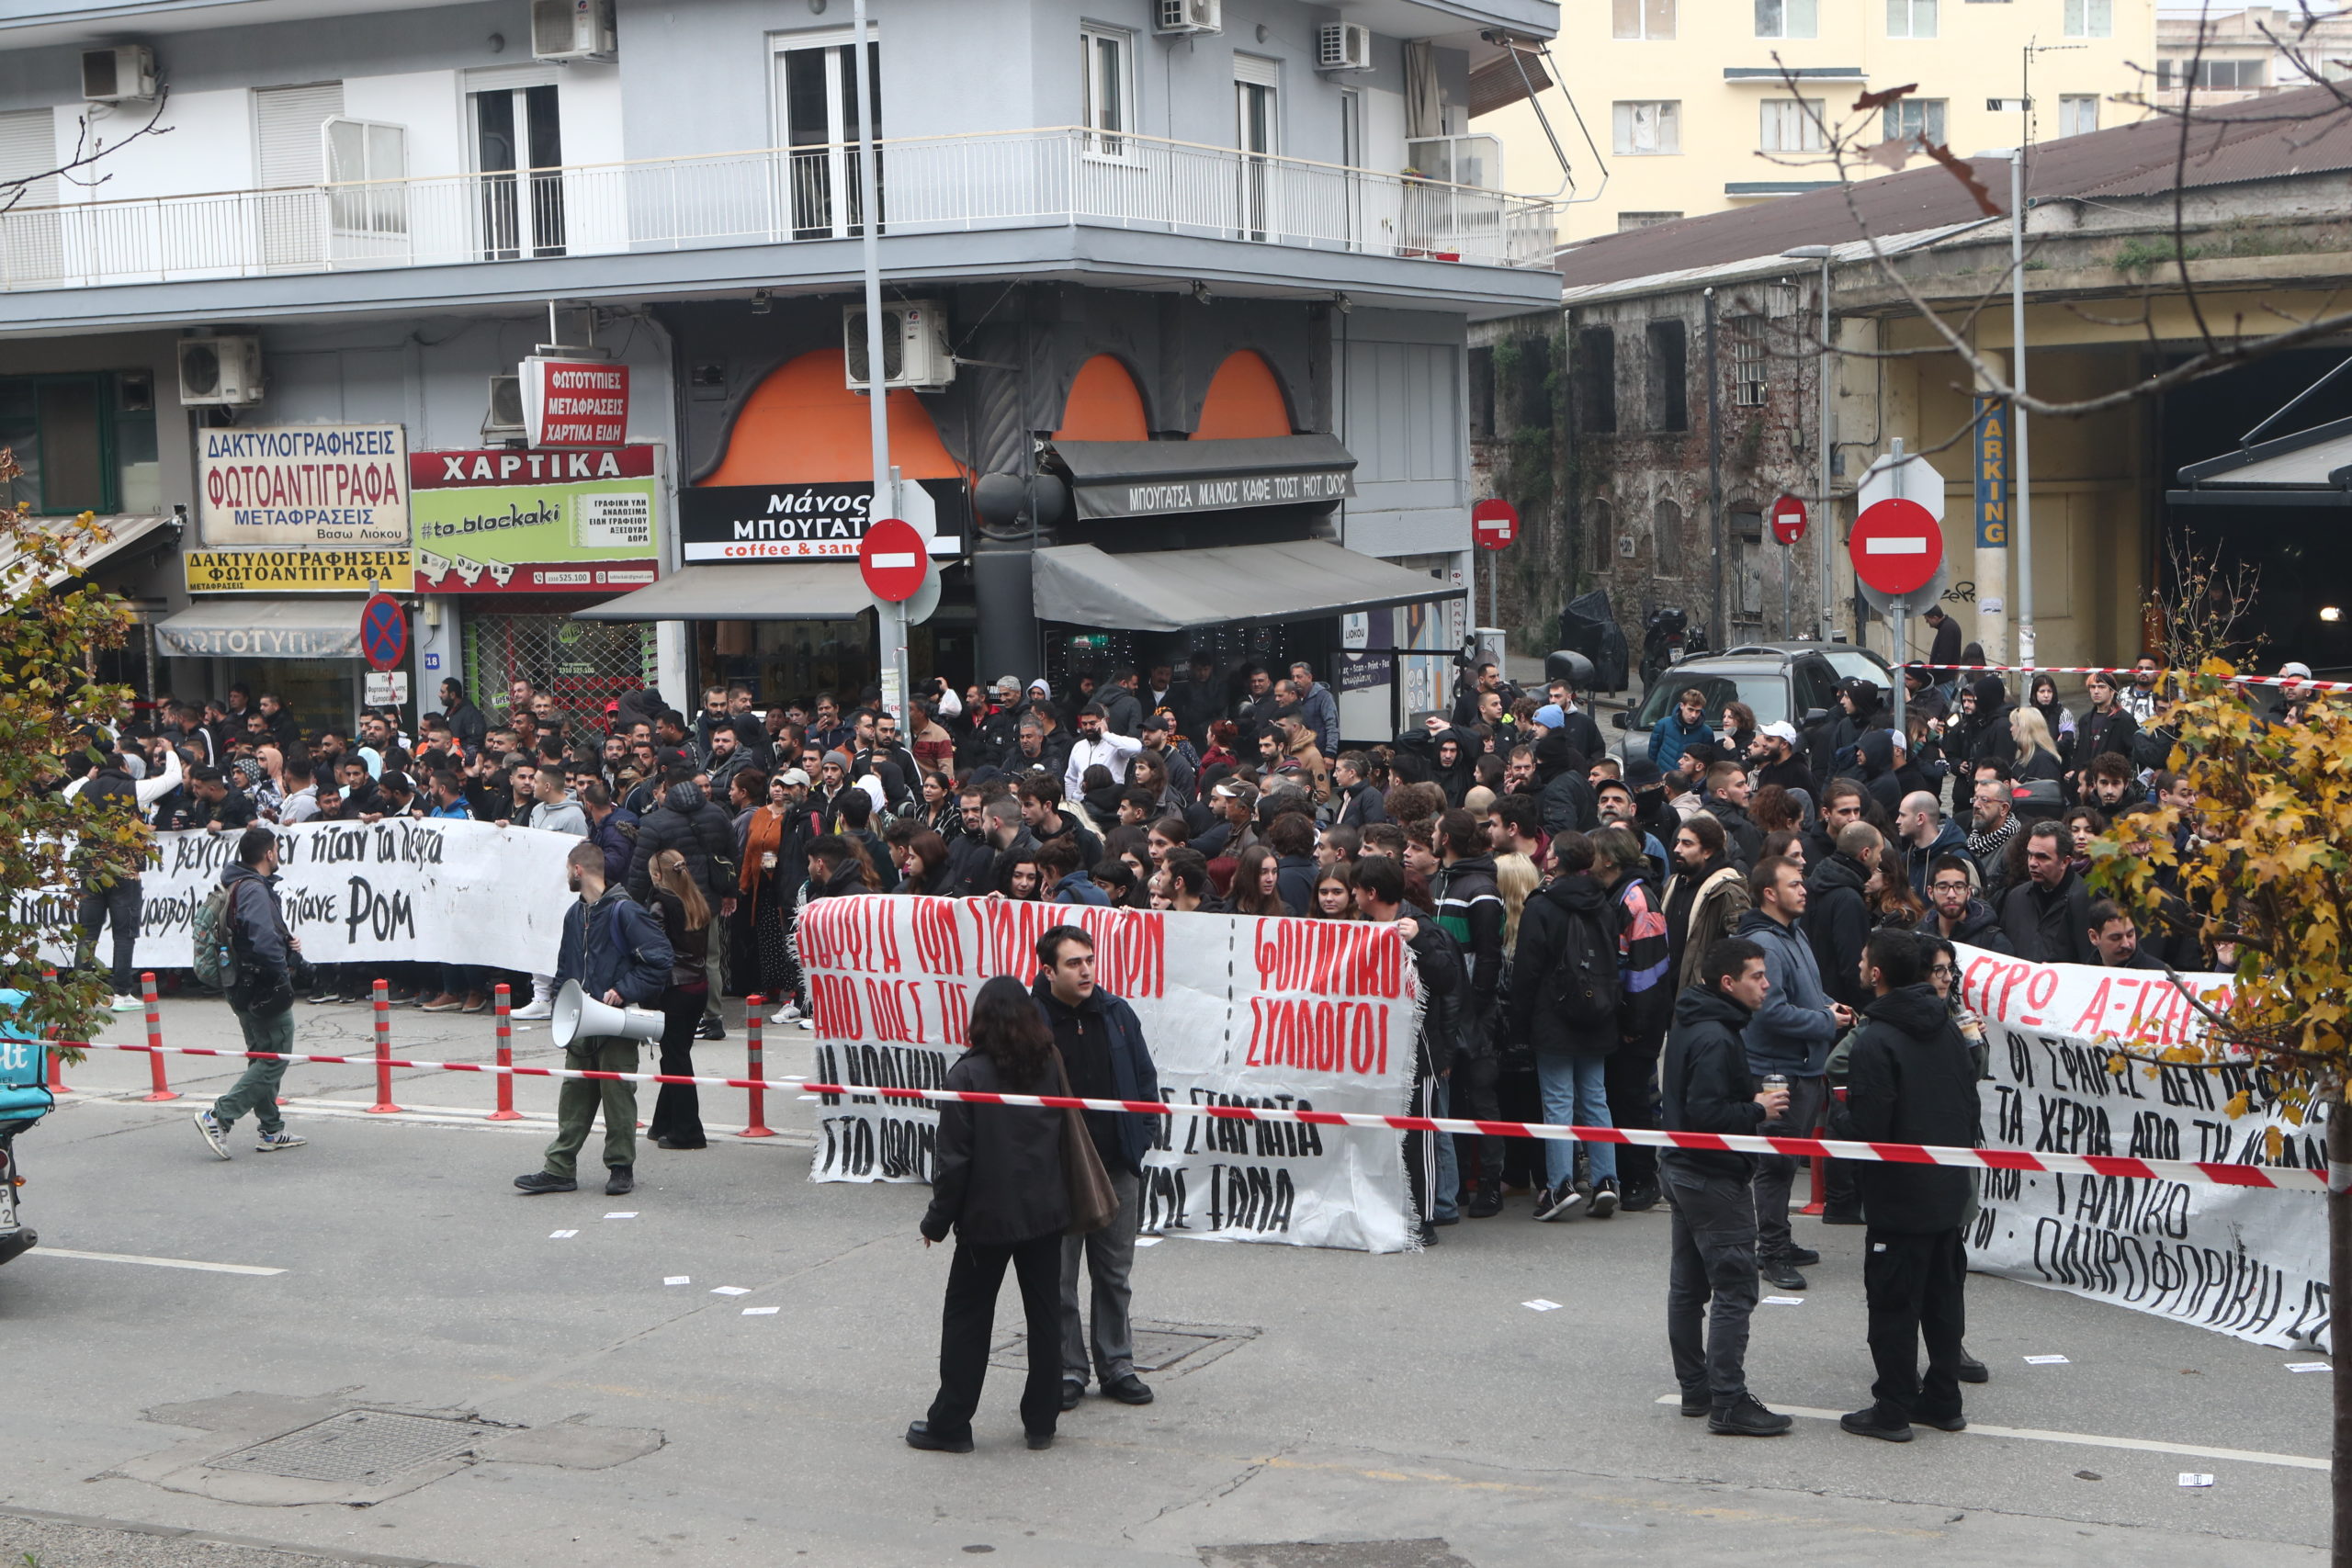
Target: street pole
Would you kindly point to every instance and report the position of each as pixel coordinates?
(2018, 416)
(1896, 620)
(891, 617)
(1820, 448)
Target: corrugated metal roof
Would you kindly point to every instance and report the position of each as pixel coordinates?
(2292, 133)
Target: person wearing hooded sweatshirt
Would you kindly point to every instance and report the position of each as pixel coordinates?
(1858, 704)
(1705, 1086)
(1569, 804)
(1684, 723)
(268, 959)
(686, 821)
(1837, 912)
(1469, 908)
(1454, 759)
(1990, 740)
(1790, 1034)
(1910, 1079)
(1873, 767)
(1567, 925)
(1927, 836)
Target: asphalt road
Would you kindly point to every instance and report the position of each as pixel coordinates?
(1404, 1411)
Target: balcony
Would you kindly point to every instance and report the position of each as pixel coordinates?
(1023, 179)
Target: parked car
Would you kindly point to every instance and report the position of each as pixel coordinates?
(1792, 681)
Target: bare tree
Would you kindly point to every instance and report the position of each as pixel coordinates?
(89, 148)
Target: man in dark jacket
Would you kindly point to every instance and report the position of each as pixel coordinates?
(1910, 1080)
(1838, 915)
(1857, 705)
(1944, 652)
(262, 995)
(1927, 836)
(1568, 803)
(2047, 916)
(1645, 984)
(1705, 1085)
(1566, 993)
(1380, 897)
(1874, 766)
(1360, 804)
(1291, 835)
(1989, 740)
(466, 722)
(1103, 1051)
(687, 822)
(1470, 907)
(1726, 802)
(1790, 1035)
(1957, 914)
(615, 947)
(113, 894)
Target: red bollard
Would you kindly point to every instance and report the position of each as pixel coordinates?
(383, 1106)
(755, 1056)
(505, 1111)
(162, 1088)
(56, 1062)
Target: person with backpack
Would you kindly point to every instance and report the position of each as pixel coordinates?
(1645, 971)
(1470, 907)
(1566, 993)
(241, 945)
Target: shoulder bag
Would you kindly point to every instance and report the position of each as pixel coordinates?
(1093, 1201)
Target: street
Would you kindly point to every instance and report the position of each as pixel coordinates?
(1408, 1409)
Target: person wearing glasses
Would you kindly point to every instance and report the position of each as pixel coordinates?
(1957, 913)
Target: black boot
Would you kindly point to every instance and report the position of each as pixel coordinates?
(622, 1178)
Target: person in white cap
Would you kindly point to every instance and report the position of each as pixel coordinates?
(1776, 759)
(2294, 699)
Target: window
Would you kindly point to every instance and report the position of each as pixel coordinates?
(1650, 130)
(816, 111)
(2078, 113)
(1600, 536)
(2226, 74)
(1916, 119)
(1745, 336)
(1257, 133)
(1915, 19)
(1748, 558)
(517, 145)
(369, 216)
(1106, 89)
(2088, 19)
(1669, 376)
(1482, 394)
(1791, 125)
(1786, 18)
(1629, 222)
(1644, 18)
(1666, 539)
(1595, 380)
(87, 442)
(291, 158)
(31, 243)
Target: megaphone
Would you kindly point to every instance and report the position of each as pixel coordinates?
(578, 1015)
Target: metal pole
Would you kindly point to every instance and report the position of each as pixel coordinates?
(890, 618)
(1899, 620)
(1823, 523)
(1720, 630)
(2018, 416)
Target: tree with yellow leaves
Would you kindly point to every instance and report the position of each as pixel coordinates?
(2260, 865)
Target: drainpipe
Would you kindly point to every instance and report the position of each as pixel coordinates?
(1715, 480)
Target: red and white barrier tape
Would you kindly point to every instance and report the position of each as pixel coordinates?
(2203, 1172)
(2297, 682)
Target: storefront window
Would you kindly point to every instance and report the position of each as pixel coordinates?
(321, 693)
(782, 660)
(87, 442)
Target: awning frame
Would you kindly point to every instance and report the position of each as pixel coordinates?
(744, 591)
(1169, 478)
(1176, 590)
(2209, 484)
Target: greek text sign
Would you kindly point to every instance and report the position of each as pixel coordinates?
(314, 486)
(1119, 499)
(492, 522)
(298, 572)
(575, 402)
(809, 521)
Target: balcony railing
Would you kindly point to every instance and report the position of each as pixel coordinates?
(928, 185)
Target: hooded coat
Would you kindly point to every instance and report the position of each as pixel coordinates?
(1979, 927)
(1837, 924)
(1703, 1081)
(1740, 831)
(1569, 803)
(1874, 766)
(1793, 1031)
(1989, 737)
(1919, 864)
(1909, 1079)
(1456, 779)
(1845, 729)
(687, 822)
(1542, 943)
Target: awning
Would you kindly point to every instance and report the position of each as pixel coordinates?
(123, 530)
(1174, 590)
(1499, 84)
(2311, 467)
(1151, 479)
(263, 629)
(743, 591)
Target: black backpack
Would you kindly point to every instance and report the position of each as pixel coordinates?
(1586, 989)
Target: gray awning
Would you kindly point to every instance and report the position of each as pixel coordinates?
(1152, 479)
(123, 531)
(744, 591)
(1170, 590)
(2311, 467)
(263, 629)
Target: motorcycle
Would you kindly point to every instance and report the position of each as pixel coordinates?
(1667, 637)
(24, 1100)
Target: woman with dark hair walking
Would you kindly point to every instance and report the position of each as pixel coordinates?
(998, 1181)
(686, 919)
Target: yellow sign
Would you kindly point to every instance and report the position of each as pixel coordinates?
(300, 572)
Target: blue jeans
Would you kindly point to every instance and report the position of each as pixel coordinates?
(1574, 1093)
(1449, 1168)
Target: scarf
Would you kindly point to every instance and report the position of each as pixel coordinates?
(1983, 844)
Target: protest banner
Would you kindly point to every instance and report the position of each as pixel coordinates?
(2244, 1261)
(1237, 1011)
(363, 893)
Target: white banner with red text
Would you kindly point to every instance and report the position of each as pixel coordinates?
(360, 892)
(1286, 1013)
(2244, 1261)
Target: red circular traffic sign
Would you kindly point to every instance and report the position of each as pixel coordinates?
(1896, 547)
(383, 632)
(1788, 520)
(893, 559)
(1494, 524)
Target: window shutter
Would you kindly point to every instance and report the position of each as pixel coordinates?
(286, 121)
(29, 147)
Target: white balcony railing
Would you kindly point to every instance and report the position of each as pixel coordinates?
(928, 185)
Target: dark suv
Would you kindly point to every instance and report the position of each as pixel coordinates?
(1792, 681)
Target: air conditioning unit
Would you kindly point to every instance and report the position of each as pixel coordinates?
(573, 29)
(123, 73)
(1343, 46)
(219, 372)
(1175, 17)
(505, 425)
(914, 345)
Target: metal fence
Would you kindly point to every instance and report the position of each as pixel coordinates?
(582, 663)
(928, 185)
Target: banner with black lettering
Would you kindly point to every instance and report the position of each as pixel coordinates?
(1293, 1014)
(361, 893)
(2247, 1262)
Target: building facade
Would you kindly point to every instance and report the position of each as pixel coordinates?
(1170, 288)
(2214, 59)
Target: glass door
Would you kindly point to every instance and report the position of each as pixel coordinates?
(1257, 135)
(815, 96)
(518, 153)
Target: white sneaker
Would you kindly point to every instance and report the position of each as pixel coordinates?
(214, 1133)
(281, 1139)
(808, 1023)
(788, 1013)
(128, 1004)
(540, 1008)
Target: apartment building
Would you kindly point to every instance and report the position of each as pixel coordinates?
(2229, 57)
(1186, 277)
(1673, 108)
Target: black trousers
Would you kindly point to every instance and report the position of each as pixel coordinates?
(1915, 1286)
(120, 905)
(678, 1110)
(1630, 1080)
(1420, 1148)
(969, 1323)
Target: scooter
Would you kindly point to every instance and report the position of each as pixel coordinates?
(15, 1236)
(1667, 637)
(24, 1100)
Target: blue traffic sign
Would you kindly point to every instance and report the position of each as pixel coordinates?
(383, 632)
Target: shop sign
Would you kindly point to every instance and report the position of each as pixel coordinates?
(303, 486)
(530, 522)
(298, 572)
(809, 521)
(1214, 492)
(387, 688)
(575, 402)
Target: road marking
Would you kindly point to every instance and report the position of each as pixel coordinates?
(1914, 546)
(152, 1262)
(2088, 1440)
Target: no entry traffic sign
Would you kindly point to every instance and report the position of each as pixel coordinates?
(1494, 524)
(1788, 520)
(893, 560)
(1896, 547)
(383, 632)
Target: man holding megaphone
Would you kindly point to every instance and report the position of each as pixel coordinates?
(614, 962)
